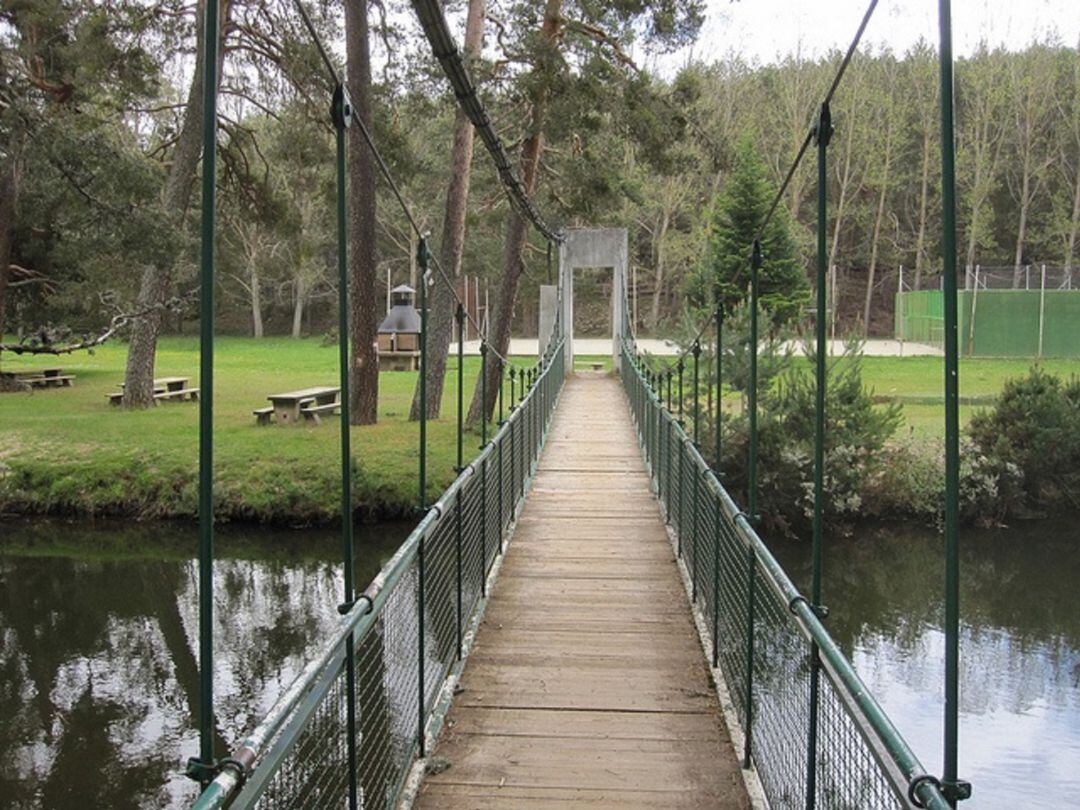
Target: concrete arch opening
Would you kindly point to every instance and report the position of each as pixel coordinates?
(594, 248)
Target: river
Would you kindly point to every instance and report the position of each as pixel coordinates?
(1019, 648)
(98, 670)
(98, 678)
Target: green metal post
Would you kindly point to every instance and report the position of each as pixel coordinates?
(953, 787)
(341, 113)
(717, 439)
(680, 367)
(669, 373)
(483, 470)
(716, 470)
(502, 386)
(751, 560)
(459, 316)
(697, 403)
(502, 511)
(513, 449)
(203, 768)
(423, 256)
(822, 134)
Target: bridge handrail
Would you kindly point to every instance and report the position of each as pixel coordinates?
(909, 781)
(246, 776)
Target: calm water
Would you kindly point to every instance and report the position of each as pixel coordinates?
(98, 680)
(1020, 649)
(98, 627)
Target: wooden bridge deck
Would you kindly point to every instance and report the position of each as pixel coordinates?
(586, 686)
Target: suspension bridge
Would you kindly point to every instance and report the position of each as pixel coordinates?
(585, 616)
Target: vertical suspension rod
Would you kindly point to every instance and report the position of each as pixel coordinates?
(953, 787)
(203, 768)
(822, 135)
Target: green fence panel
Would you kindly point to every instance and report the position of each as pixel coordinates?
(996, 323)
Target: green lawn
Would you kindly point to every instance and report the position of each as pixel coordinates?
(917, 382)
(69, 450)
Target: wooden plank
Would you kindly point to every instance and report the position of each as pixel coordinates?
(586, 686)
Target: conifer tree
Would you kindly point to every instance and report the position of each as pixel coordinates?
(738, 212)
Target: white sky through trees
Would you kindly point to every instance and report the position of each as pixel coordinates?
(765, 30)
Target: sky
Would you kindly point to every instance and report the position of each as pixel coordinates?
(764, 30)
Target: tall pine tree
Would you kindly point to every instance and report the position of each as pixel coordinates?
(737, 215)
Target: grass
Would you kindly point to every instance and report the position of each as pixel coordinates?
(68, 451)
(917, 383)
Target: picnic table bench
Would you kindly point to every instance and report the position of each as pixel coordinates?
(292, 407)
(165, 388)
(41, 378)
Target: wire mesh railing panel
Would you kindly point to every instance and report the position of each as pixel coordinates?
(439, 599)
(409, 624)
(781, 699)
(388, 693)
(315, 773)
(765, 638)
(733, 595)
(849, 776)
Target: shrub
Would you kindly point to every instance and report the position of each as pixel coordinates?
(856, 433)
(1030, 439)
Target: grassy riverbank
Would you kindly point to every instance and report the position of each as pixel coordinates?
(66, 451)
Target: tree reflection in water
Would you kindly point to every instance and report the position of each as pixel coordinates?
(98, 669)
(1019, 647)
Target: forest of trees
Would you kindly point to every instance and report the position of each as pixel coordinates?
(94, 137)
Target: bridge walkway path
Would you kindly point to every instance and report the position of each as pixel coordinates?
(586, 686)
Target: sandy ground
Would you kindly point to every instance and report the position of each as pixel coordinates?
(600, 346)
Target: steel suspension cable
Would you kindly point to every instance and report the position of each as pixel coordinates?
(432, 20)
(810, 134)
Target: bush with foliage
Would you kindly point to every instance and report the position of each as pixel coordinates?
(856, 433)
(1030, 440)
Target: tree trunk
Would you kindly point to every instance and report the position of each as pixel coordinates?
(924, 191)
(441, 299)
(1021, 225)
(363, 270)
(157, 279)
(880, 214)
(658, 278)
(1070, 244)
(9, 194)
(256, 301)
(517, 228)
(298, 308)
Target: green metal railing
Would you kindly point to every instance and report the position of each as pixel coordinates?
(763, 634)
(407, 630)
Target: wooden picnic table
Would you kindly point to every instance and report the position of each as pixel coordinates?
(167, 384)
(41, 377)
(165, 388)
(289, 406)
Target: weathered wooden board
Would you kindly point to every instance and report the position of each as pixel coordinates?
(587, 686)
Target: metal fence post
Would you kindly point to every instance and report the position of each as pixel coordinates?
(822, 135)
(952, 786)
(483, 470)
(202, 769)
(459, 316)
(751, 560)
(697, 402)
(423, 257)
(681, 366)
